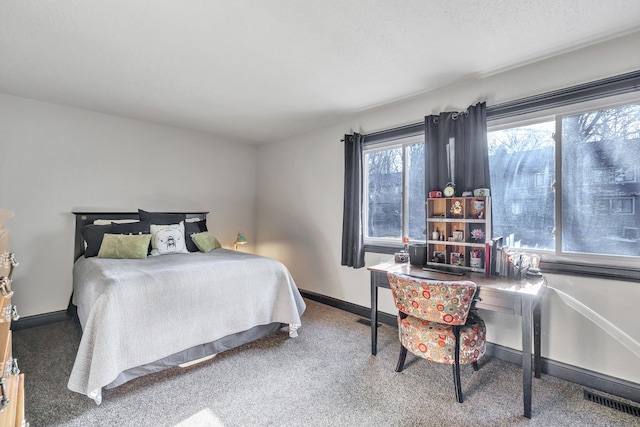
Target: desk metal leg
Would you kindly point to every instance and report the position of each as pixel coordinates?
(537, 331)
(374, 316)
(527, 316)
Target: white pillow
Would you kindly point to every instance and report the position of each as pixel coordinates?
(168, 239)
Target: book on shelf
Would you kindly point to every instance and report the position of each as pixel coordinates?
(493, 257)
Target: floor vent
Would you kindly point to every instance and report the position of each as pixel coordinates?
(611, 403)
(366, 322)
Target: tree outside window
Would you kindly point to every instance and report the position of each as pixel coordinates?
(394, 193)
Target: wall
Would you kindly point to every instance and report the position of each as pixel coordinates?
(55, 159)
(300, 201)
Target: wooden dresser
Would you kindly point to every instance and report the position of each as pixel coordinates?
(11, 380)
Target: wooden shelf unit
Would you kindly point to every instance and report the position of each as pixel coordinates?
(464, 227)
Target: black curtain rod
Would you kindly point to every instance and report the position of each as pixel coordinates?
(616, 85)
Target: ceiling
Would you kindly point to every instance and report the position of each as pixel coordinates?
(259, 71)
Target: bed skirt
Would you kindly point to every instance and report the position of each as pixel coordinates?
(197, 352)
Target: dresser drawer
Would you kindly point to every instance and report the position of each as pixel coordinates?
(20, 421)
(5, 288)
(9, 312)
(12, 396)
(5, 310)
(10, 414)
(4, 240)
(8, 264)
(5, 248)
(5, 349)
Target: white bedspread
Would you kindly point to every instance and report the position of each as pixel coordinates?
(135, 312)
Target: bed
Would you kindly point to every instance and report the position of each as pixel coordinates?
(142, 315)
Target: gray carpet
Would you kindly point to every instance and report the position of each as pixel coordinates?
(325, 377)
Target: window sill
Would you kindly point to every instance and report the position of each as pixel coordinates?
(575, 269)
(380, 249)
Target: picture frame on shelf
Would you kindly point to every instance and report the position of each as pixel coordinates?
(438, 257)
(457, 258)
(458, 235)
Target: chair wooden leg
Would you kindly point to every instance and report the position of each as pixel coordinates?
(456, 365)
(401, 359)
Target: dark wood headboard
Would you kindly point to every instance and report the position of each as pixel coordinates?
(84, 218)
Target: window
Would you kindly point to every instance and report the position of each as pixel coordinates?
(566, 184)
(394, 191)
(564, 178)
(622, 205)
(522, 161)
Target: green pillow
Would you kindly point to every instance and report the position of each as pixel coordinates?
(133, 246)
(205, 241)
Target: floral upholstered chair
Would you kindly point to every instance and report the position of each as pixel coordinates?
(435, 322)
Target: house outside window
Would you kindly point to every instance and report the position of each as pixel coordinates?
(622, 205)
(519, 156)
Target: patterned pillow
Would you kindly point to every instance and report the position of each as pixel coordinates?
(168, 239)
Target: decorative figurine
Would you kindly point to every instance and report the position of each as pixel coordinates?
(478, 205)
(456, 208)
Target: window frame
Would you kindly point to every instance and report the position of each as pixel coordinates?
(557, 261)
(393, 138)
(555, 258)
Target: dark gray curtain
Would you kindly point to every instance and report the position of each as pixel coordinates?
(352, 230)
(471, 160)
